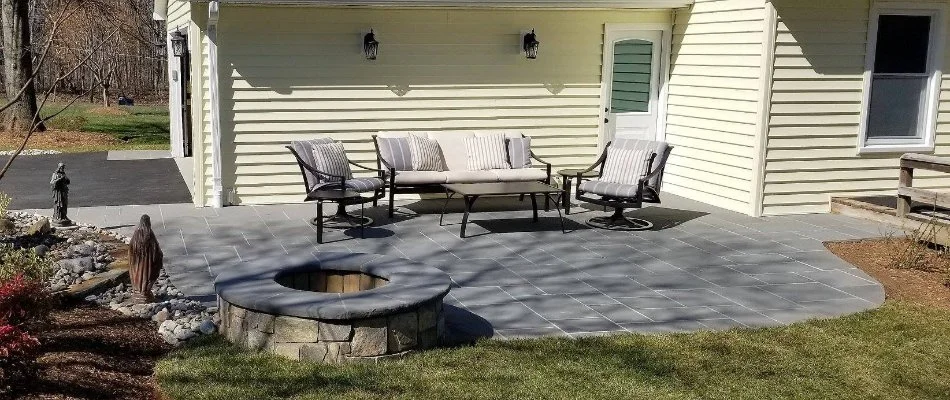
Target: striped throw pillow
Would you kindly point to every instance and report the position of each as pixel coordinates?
(626, 166)
(426, 154)
(519, 152)
(486, 152)
(395, 152)
(330, 158)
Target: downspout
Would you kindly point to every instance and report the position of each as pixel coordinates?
(217, 189)
(765, 109)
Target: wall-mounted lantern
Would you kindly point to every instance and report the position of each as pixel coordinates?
(179, 44)
(531, 45)
(370, 45)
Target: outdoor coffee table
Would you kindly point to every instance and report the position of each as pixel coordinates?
(472, 191)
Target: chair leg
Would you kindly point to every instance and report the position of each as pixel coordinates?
(392, 203)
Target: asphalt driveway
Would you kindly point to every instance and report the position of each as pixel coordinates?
(95, 181)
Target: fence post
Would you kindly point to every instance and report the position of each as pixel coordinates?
(906, 180)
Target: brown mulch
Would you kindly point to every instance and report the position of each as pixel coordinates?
(925, 285)
(96, 353)
(56, 139)
(108, 111)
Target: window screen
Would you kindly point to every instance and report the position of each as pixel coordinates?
(900, 79)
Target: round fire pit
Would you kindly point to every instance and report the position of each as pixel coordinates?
(332, 307)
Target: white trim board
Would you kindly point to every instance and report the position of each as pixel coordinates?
(767, 74)
(938, 12)
(587, 4)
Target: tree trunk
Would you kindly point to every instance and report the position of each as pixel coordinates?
(18, 65)
(105, 96)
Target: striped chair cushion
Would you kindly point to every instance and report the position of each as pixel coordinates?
(519, 152)
(426, 155)
(358, 184)
(626, 166)
(658, 148)
(304, 149)
(330, 158)
(486, 152)
(395, 152)
(609, 189)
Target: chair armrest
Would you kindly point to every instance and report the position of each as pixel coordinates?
(538, 159)
(365, 167)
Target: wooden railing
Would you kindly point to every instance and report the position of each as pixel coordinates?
(906, 193)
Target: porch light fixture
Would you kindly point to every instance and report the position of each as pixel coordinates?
(530, 46)
(370, 45)
(179, 43)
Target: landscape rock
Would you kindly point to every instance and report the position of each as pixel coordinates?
(41, 250)
(208, 327)
(40, 227)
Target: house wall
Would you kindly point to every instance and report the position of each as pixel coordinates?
(816, 111)
(178, 14)
(291, 73)
(715, 102)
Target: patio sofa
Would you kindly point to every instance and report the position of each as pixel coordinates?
(454, 167)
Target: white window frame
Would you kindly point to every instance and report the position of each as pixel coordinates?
(935, 54)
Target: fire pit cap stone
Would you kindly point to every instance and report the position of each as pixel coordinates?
(252, 285)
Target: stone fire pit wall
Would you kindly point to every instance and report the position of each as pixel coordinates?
(302, 307)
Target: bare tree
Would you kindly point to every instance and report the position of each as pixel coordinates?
(18, 66)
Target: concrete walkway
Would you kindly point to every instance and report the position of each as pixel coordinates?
(701, 268)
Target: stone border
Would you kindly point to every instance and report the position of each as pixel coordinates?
(401, 316)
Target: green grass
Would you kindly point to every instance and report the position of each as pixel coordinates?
(896, 352)
(145, 127)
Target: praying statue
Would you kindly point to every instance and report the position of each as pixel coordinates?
(145, 260)
(60, 186)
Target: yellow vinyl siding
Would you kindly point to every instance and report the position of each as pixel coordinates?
(815, 112)
(291, 73)
(714, 101)
(178, 14)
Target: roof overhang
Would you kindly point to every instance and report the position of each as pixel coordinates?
(590, 4)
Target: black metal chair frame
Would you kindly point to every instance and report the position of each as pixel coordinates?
(341, 218)
(645, 194)
(395, 188)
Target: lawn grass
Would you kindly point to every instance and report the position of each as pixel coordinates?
(145, 127)
(899, 351)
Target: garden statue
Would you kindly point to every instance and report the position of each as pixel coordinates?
(145, 260)
(60, 186)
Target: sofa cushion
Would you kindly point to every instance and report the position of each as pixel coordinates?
(304, 150)
(419, 178)
(452, 145)
(426, 155)
(658, 148)
(519, 152)
(330, 158)
(358, 184)
(486, 152)
(470, 177)
(520, 175)
(395, 153)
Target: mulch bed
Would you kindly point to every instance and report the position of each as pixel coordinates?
(925, 285)
(95, 353)
(56, 140)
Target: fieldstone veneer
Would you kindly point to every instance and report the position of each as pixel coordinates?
(345, 306)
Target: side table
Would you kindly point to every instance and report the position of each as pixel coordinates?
(566, 176)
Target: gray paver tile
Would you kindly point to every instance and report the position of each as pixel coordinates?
(473, 296)
(799, 292)
(531, 333)
(619, 313)
(509, 316)
(680, 313)
(755, 298)
(585, 325)
(777, 278)
(557, 306)
(591, 299)
(696, 297)
(721, 324)
(663, 327)
(649, 301)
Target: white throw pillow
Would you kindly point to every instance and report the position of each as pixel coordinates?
(331, 158)
(486, 152)
(626, 166)
(426, 155)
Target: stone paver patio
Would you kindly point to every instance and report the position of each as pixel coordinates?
(701, 268)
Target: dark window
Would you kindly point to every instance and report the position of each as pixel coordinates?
(902, 44)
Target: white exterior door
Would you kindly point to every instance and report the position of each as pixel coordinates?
(632, 83)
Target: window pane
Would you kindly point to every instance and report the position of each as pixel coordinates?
(633, 67)
(902, 44)
(897, 107)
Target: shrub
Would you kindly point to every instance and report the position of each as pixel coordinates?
(73, 123)
(24, 262)
(24, 301)
(18, 353)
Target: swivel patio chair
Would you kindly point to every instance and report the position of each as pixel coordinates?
(319, 183)
(629, 173)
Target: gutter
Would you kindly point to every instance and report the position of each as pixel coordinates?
(765, 109)
(547, 4)
(217, 189)
(159, 10)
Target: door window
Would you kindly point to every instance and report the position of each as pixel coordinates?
(632, 74)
